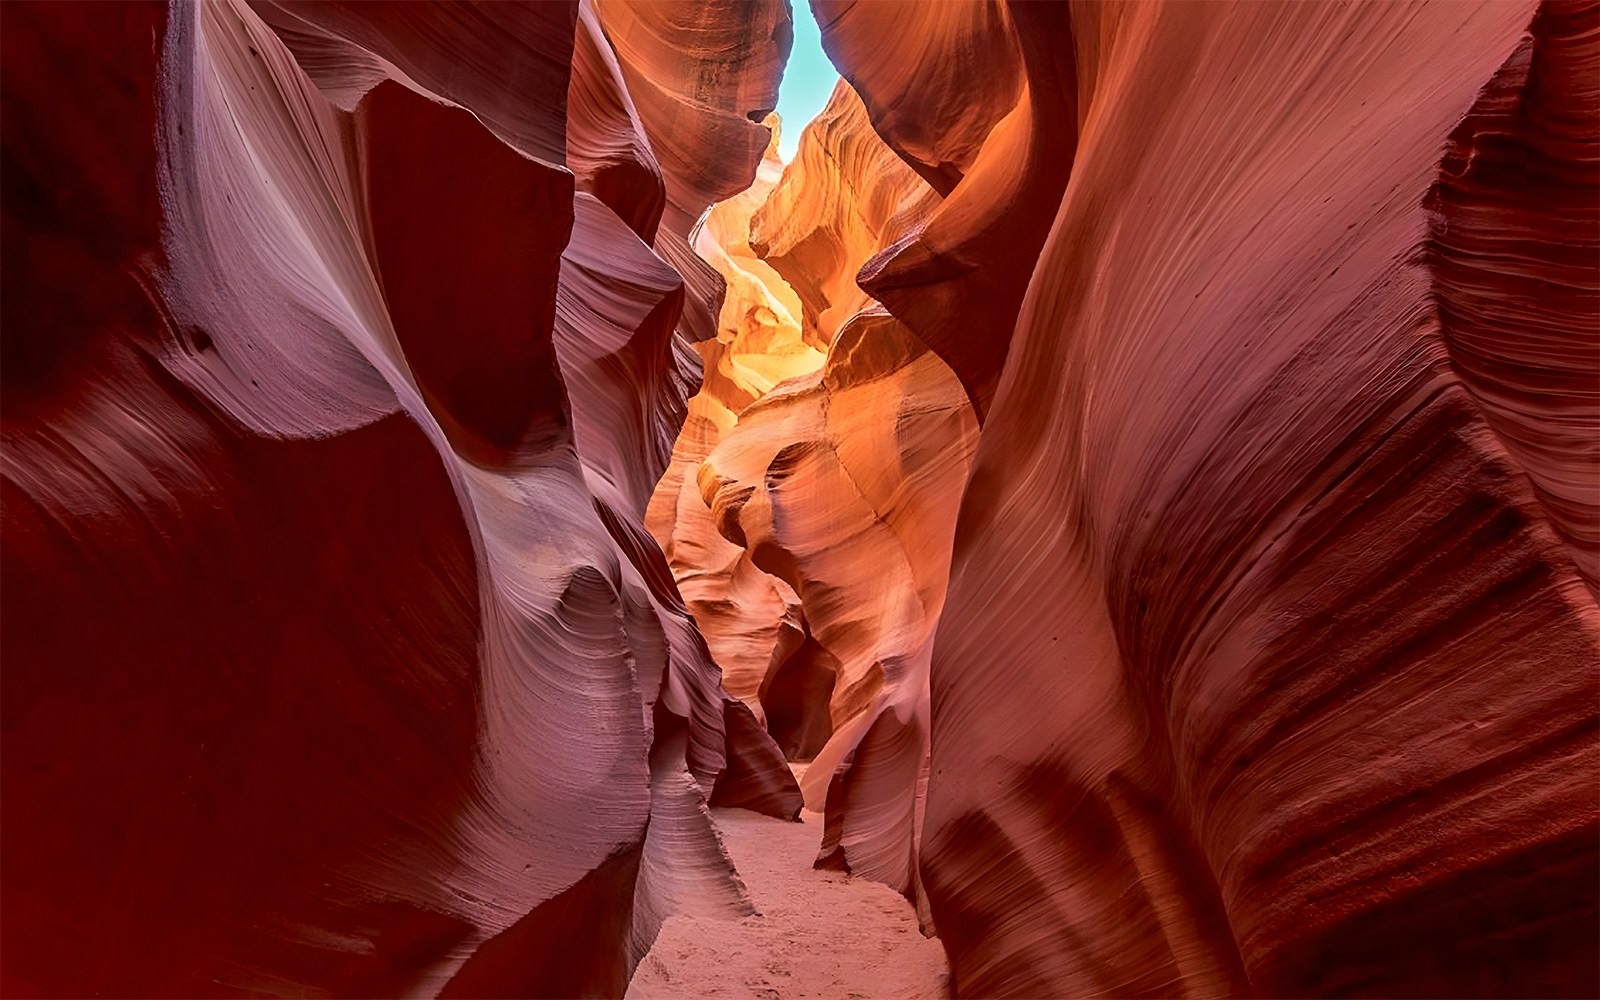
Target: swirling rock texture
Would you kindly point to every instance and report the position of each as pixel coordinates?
(1145, 456)
(749, 618)
(337, 659)
(1267, 664)
(808, 521)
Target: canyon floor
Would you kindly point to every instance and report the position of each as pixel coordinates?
(818, 934)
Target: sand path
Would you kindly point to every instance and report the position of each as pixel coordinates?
(816, 934)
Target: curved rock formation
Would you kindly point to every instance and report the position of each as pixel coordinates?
(508, 62)
(810, 519)
(607, 149)
(337, 657)
(844, 198)
(935, 78)
(1011, 152)
(1265, 668)
(1516, 239)
(704, 76)
(446, 451)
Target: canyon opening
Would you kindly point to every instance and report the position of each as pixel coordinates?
(875, 499)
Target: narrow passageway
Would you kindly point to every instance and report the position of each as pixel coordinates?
(815, 934)
(815, 407)
(813, 573)
(1135, 462)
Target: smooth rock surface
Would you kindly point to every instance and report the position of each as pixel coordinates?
(1144, 454)
(339, 403)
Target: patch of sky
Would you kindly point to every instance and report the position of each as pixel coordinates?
(808, 80)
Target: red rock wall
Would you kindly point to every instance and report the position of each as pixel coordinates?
(337, 659)
(1268, 665)
(1514, 222)
(1249, 648)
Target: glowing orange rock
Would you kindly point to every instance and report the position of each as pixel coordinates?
(808, 520)
(844, 198)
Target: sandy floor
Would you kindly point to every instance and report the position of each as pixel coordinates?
(816, 934)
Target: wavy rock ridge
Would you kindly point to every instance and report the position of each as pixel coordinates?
(1145, 456)
(808, 520)
(335, 391)
(1267, 662)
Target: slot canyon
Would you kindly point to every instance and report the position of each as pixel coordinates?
(1108, 507)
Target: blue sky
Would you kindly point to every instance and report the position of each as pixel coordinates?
(807, 81)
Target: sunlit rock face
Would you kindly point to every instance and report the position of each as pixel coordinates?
(809, 509)
(339, 368)
(845, 197)
(750, 619)
(844, 485)
(1267, 663)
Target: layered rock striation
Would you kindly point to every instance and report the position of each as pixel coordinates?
(1267, 664)
(1268, 659)
(1142, 456)
(338, 660)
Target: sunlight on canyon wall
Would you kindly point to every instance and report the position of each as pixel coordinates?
(1144, 456)
(1276, 547)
